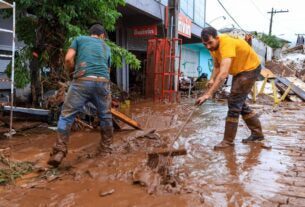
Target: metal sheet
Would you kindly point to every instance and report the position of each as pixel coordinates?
(28, 110)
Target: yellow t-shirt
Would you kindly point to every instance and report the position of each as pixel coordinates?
(243, 56)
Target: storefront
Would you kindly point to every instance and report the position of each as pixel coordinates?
(142, 20)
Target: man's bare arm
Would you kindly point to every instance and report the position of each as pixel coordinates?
(214, 74)
(69, 60)
(221, 76)
(219, 79)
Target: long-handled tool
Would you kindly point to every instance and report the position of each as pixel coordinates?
(159, 158)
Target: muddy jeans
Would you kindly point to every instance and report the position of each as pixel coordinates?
(80, 92)
(241, 87)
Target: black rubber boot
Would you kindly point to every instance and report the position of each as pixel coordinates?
(255, 127)
(229, 134)
(59, 151)
(106, 140)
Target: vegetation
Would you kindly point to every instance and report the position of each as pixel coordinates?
(271, 41)
(48, 27)
(9, 171)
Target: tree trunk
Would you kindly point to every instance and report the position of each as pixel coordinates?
(35, 82)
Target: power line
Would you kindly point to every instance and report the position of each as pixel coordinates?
(264, 15)
(258, 9)
(230, 15)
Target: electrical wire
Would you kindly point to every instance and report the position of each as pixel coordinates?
(259, 10)
(224, 8)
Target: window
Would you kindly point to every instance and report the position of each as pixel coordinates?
(164, 2)
(187, 7)
(194, 9)
(199, 12)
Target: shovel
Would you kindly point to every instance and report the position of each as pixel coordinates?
(162, 158)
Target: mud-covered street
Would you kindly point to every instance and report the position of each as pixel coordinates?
(246, 175)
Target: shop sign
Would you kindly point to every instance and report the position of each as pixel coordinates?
(184, 26)
(144, 31)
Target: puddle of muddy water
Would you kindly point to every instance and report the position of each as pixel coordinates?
(249, 170)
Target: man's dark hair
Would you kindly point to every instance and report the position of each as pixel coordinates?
(97, 29)
(207, 32)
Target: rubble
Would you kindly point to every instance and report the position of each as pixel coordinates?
(279, 68)
(292, 63)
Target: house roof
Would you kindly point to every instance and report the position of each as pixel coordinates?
(226, 30)
(282, 40)
(278, 38)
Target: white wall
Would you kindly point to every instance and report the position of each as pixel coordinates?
(189, 62)
(262, 50)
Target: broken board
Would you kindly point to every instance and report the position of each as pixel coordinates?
(298, 91)
(125, 119)
(266, 73)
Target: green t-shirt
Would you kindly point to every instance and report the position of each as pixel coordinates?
(93, 56)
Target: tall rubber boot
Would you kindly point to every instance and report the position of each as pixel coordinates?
(59, 151)
(229, 134)
(255, 127)
(106, 140)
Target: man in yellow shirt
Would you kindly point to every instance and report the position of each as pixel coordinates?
(233, 56)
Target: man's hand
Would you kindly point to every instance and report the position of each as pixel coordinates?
(210, 83)
(69, 60)
(202, 99)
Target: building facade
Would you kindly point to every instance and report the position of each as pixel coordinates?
(195, 57)
(140, 21)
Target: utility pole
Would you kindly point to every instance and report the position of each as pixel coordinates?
(173, 10)
(272, 12)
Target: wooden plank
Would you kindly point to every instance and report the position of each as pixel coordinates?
(266, 73)
(167, 152)
(298, 91)
(125, 119)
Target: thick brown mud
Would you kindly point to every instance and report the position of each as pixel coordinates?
(246, 175)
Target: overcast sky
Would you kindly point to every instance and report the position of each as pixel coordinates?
(252, 16)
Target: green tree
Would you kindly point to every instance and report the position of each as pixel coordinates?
(47, 27)
(271, 41)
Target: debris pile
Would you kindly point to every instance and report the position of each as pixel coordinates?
(284, 79)
(279, 68)
(292, 63)
(28, 118)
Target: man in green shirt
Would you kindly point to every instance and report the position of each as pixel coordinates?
(89, 59)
